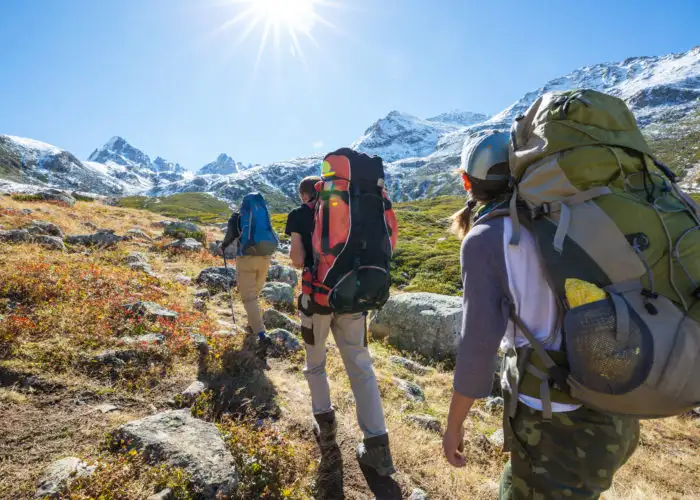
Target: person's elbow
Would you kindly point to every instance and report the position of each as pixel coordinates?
(297, 258)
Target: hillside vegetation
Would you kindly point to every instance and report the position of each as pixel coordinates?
(198, 207)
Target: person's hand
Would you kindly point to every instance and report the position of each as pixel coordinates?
(453, 446)
(220, 250)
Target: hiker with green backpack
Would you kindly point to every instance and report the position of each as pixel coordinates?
(250, 229)
(581, 260)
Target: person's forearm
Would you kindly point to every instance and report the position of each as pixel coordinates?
(459, 408)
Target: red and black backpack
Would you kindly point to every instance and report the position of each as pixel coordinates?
(354, 236)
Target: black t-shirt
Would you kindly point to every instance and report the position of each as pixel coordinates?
(301, 220)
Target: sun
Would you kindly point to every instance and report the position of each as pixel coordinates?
(290, 20)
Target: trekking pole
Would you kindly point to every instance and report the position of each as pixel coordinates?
(228, 285)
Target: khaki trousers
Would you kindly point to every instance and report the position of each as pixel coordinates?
(251, 276)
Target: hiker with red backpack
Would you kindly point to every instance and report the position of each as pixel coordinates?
(581, 259)
(343, 234)
(251, 230)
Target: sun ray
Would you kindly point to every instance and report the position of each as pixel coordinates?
(261, 49)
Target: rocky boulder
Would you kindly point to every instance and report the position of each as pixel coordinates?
(138, 234)
(185, 245)
(150, 310)
(283, 274)
(409, 365)
(15, 236)
(180, 440)
(102, 238)
(427, 323)
(40, 227)
(283, 343)
(50, 242)
(412, 390)
(426, 422)
(272, 319)
(217, 279)
(56, 195)
(278, 294)
(59, 475)
(136, 258)
(182, 230)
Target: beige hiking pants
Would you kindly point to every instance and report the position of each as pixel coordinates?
(350, 333)
(252, 274)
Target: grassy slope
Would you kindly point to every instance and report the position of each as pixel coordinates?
(199, 207)
(681, 149)
(50, 338)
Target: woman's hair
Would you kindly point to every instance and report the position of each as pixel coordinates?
(482, 191)
(307, 186)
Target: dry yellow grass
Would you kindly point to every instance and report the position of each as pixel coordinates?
(55, 419)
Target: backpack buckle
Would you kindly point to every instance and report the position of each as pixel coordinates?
(544, 209)
(558, 378)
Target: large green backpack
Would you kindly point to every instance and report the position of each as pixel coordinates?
(604, 211)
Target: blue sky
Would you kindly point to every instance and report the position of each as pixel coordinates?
(158, 72)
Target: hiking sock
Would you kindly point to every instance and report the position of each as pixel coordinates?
(374, 453)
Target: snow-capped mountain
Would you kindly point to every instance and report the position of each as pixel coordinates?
(421, 155)
(223, 165)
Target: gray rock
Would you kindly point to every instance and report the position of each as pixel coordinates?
(200, 342)
(426, 323)
(199, 304)
(56, 195)
(135, 258)
(183, 280)
(50, 242)
(185, 245)
(217, 279)
(272, 319)
(102, 238)
(425, 422)
(283, 274)
(47, 228)
(181, 229)
(284, 342)
(278, 293)
(178, 439)
(139, 234)
(202, 293)
(493, 404)
(193, 391)
(166, 494)
(106, 408)
(26, 211)
(409, 365)
(148, 338)
(59, 475)
(150, 310)
(143, 267)
(284, 248)
(418, 494)
(497, 439)
(118, 358)
(15, 236)
(411, 389)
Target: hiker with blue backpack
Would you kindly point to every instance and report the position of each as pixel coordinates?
(250, 229)
(581, 260)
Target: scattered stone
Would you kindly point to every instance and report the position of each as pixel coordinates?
(199, 304)
(272, 319)
(493, 404)
(148, 338)
(39, 227)
(56, 195)
(90, 225)
(102, 238)
(106, 408)
(143, 267)
(178, 439)
(59, 475)
(136, 258)
(427, 323)
(192, 392)
(411, 389)
(200, 342)
(278, 293)
(166, 494)
(283, 274)
(418, 494)
(409, 365)
(217, 278)
(284, 248)
(284, 342)
(183, 280)
(150, 310)
(202, 293)
(139, 234)
(185, 245)
(427, 422)
(25, 211)
(182, 230)
(497, 439)
(15, 236)
(118, 358)
(50, 242)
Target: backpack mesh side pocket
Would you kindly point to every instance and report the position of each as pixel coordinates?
(599, 357)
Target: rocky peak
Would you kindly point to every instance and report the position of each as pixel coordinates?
(223, 165)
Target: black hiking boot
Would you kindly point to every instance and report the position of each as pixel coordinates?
(374, 453)
(264, 343)
(325, 427)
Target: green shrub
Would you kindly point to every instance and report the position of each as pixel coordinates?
(26, 197)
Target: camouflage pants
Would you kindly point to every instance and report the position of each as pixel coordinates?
(572, 457)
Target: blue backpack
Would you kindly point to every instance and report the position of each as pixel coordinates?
(257, 235)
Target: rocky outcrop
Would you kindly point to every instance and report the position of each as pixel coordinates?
(59, 475)
(283, 274)
(283, 343)
(278, 294)
(102, 238)
(426, 323)
(150, 310)
(180, 440)
(185, 245)
(57, 195)
(272, 319)
(217, 279)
